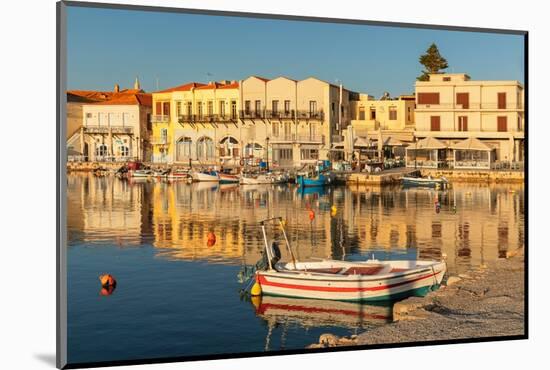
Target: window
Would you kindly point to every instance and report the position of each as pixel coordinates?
(333, 108)
(189, 108)
(166, 109)
(88, 115)
(519, 123)
(247, 107)
(183, 149)
(164, 133)
(178, 108)
(463, 99)
(308, 154)
(435, 123)
(362, 113)
(101, 150)
(199, 109)
(275, 106)
(501, 100)
(312, 106)
(373, 113)
(222, 108)
(393, 113)
(158, 108)
(282, 155)
(258, 107)
(446, 79)
(428, 98)
(233, 109)
(210, 108)
(123, 151)
(205, 148)
(275, 129)
(287, 106)
(149, 123)
(462, 123)
(502, 124)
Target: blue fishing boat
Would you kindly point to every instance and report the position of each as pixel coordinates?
(321, 179)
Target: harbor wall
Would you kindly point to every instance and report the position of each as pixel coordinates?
(483, 176)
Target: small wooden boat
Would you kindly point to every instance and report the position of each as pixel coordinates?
(178, 175)
(425, 181)
(210, 176)
(226, 178)
(370, 280)
(321, 179)
(259, 179)
(141, 173)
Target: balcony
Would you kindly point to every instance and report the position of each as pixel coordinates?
(310, 139)
(159, 140)
(271, 114)
(282, 138)
(160, 119)
(472, 105)
(108, 129)
(308, 115)
(206, 118)
(251, 114)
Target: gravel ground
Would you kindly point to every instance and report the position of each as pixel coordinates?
(487, 301)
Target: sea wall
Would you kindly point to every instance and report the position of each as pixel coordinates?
(487, 176)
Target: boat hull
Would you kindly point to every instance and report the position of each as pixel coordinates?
(228, 179)
(256, 180)
(432, 183)
(321, 180)
(204, 177)
(352, 288)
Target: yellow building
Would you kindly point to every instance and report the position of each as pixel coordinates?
(452, 108)
(230, 123)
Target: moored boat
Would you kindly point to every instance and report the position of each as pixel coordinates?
(370, 280)
(178, 175)
(226, 178)
(210, 176)
(259, 179)
(141, 173)
(425, 181)
(321, 179)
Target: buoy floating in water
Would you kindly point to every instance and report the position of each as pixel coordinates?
(333, 210)
(311, 215)
(211, 239)
(107, 280)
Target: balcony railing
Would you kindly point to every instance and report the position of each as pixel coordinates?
(206, 118)
(310, 138)
(159, 140)
(160, 119)
(317, 115)
(251, 114)
(108, 129)
(282, 138)
(475, 105)
(271, 114)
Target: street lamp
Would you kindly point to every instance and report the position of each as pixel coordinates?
(267, 152)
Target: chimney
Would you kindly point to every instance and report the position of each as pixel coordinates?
(117, 88)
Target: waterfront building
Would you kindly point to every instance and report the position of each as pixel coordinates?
(286, 122)
(113, 126)
(453, 108)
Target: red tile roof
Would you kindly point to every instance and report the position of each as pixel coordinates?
(88, 95)
(218, 85)
(185, 87)
(125, 98)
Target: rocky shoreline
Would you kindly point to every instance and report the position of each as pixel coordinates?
(487, 301)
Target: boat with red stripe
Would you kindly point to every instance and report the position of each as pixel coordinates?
(369, 280)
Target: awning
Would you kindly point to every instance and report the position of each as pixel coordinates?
(472, 143)
(427, 144)
(390, 141)
(362, 143)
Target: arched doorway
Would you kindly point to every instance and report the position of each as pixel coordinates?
(229, 147)
(205, 148)
(183, 149)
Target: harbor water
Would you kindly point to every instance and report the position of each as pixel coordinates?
(179, 295)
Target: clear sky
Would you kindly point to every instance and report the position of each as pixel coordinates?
(113, 46)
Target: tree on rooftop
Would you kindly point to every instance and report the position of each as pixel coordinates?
(433, 62)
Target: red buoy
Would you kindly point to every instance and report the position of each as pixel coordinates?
(211, 239)
(311, 215)
(107, 280)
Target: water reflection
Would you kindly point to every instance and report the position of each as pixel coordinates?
(475, 223)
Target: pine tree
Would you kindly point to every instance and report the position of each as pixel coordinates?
(432, 61)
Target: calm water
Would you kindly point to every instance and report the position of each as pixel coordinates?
(176, 296)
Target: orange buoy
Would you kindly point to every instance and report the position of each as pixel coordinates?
(107, 280)
(211, 239)
(107, 291)
(311, 215)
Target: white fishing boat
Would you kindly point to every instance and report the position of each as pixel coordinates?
(178, 175)
(207, 176)
(369, 280)
(259, 179)
(226, 178)
(141, 173)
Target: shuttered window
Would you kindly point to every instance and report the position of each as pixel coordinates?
(428, 98)
(166, 108)
(158, 109)
(462, 123)
(502, 124)
(463, 99)
(393, 114)
(502, 100)
(435, 123)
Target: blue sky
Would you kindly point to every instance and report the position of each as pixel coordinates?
(113, 46)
